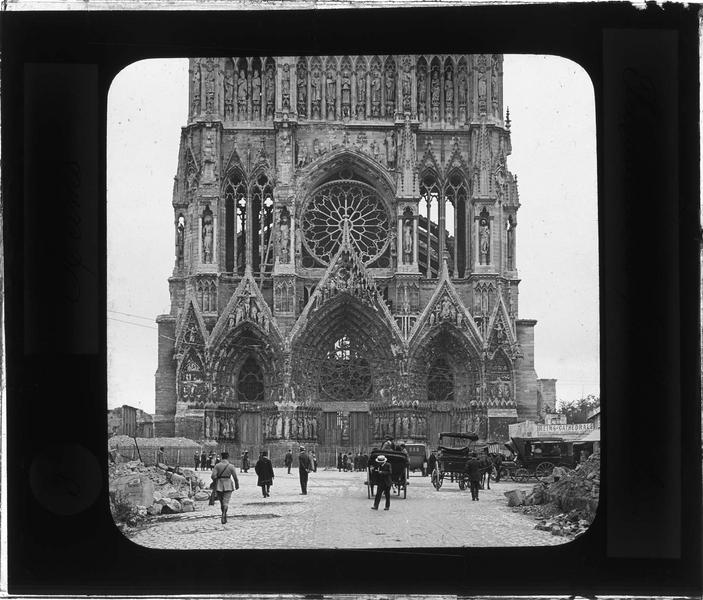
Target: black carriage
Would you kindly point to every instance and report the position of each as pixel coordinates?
(452, 457)
(537, 457)
(399, 471)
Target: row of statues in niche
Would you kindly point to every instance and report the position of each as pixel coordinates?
(353, 88)
(468, 422)
(248, 309)
(295, 425)
(385, 152)
(446, 311)
(399, 425)
(220, 426)
(248, 89)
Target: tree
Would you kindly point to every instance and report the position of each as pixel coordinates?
(576, 411)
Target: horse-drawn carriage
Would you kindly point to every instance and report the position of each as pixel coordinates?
(399, 471)
(451, 459)
(537, 457)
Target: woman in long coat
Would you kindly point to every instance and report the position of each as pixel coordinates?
(264, 470)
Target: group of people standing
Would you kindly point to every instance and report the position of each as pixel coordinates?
(204, 461)
(349, 462)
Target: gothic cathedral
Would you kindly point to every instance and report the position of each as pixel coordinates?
(345, 255)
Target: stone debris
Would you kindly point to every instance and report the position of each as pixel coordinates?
(515, 497)
(565, 507)
(138, 491)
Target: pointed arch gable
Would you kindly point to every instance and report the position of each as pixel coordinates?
(326, 290)
(234, 167)
(500, 321)
(233, 316)
(468, 328)
(191, 316)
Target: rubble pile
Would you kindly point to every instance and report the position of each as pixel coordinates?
(138, 491)
(565, 507)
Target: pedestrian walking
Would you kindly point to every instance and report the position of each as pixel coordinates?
(385, 482)
(304, 468)
(339, 461)
(203, 461)
(222, 484)
(288, 461)
(245, 462)
(264, 470)
(473, 469)
(196, 461)
(345, 459)
(313, 461)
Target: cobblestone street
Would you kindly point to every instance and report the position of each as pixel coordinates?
(336, 514)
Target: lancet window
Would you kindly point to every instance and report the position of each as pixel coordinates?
(429, 258)
(456, 195)
(261, 194)
(235, 223)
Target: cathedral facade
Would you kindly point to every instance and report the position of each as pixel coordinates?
(345, 255)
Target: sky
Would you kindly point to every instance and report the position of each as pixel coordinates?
(552, 110)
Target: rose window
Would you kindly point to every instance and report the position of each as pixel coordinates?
(353, 204)
(345, 374)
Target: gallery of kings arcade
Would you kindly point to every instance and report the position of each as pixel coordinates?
(345, 256)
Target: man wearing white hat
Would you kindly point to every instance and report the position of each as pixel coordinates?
(385, 482)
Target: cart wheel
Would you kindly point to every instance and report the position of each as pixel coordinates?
(521, 475)
(462, 484)
(544, 471)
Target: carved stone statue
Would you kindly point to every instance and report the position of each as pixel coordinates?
(449, 96)
(408, 241)
(331, 92)
(316, 93)
(210, 87)
(256, 89)
(196, 89)
(180, 239)
(494, 85)
(242, 94)
(271, 90)
(207, 238)
(390, 88)
(406, 86)
(375, 92)
(461, 91)
(361, 95)
(302, 86)
(422, 93)
(391, 150)
(346, 92)
(285, 88)
(284, 237)
(229, 96)
(434, 94)
(484, 241)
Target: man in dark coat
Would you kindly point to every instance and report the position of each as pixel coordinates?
(264, 470)
(431, 463)
(203, 461)
(304, 468)
(196, 460)
(498, 464)
(245, 462)
(473, 469)
(288, 460)
(339, 461)
(385, 482)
